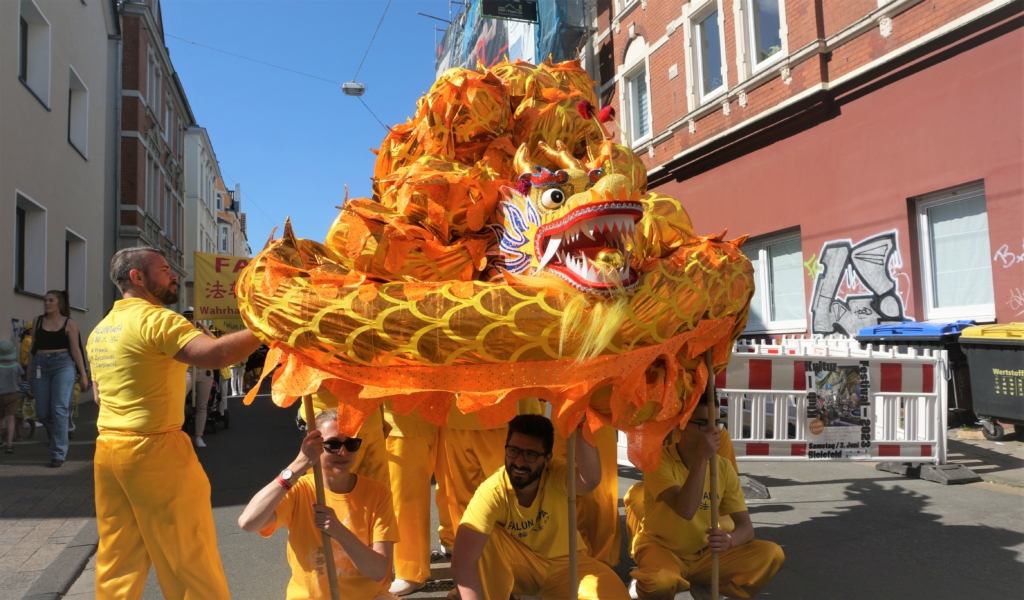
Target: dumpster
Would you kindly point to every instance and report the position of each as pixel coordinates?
(996, 356)
(934, 336)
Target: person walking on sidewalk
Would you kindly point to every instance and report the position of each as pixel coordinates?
(359, 518)
(55, 365)
(203, 385)
(11, 375)
(152, 495)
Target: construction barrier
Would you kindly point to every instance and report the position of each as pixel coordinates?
(830, 400)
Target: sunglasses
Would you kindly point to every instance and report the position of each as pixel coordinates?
(334, 446)
(528, 455)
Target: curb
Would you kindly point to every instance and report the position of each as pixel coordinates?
(57, 579)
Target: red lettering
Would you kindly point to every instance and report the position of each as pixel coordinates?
(219, 262)
(240, 265)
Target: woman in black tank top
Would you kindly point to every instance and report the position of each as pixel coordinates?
(54, 365)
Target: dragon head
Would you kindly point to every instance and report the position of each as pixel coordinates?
(576, 222)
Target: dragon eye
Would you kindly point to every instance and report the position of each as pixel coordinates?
(552, 199)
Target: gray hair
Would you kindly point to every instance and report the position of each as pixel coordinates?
(330, 414)
(127, 259)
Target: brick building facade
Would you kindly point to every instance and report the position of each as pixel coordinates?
(154, 116)
(872, 149)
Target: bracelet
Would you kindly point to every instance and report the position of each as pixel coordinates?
(283, 482)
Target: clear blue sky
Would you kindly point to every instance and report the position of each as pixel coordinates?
(294, 142)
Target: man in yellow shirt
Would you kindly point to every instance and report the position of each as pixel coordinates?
(152, 495)
(675, 540)
(358, 517)
(512, 538)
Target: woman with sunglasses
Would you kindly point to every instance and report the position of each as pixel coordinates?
(359, 518)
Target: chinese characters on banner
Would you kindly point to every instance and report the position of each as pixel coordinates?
(838, 401)
(216, 275)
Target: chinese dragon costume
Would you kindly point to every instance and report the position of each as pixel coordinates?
(510, 250)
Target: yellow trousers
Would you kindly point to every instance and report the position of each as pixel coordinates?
(634, 502)
(743, 570)
(372, 459)
(469, 457)
(411, 464)
(509, 567)
(598, 512)
(153, 507)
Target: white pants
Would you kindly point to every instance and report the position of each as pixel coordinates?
(237, 372)
(204, 383)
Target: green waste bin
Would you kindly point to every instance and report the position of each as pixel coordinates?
(995, 354)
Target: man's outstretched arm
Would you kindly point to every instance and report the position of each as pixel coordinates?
(216, 353)
(588, 465)
(469, 546)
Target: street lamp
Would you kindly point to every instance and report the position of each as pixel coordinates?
(351, 88)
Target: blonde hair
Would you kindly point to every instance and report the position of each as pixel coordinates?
(331, 414)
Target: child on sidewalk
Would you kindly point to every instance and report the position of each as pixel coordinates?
(11, 374)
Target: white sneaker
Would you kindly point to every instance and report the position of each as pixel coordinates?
(632, 590)
(401, 587)
(701, 592)
(200, 443)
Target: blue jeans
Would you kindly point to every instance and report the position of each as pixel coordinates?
(53, 397)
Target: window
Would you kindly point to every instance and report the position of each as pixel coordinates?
(168, 209)
(709, 52)
(220, 201)
(154, 84)
(764, 22)
(956, 269)
(152, 188)
(78, 114)
(34, 51)
(639, 106)
(22, 49)
(224, 238)
(30, 245)
(75, 268)
(778, 302)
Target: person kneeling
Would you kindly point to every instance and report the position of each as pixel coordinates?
(512, 538)
(673, 546)
(358, 516)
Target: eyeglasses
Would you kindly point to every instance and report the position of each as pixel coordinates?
(334, 446)
(703, 424)
(528, 455)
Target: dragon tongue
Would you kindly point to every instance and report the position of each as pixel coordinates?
(552, 248)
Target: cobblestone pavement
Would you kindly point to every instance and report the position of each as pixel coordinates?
(42, 509)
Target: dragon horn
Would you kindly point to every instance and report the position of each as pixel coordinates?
(560, 155)
(522, 161)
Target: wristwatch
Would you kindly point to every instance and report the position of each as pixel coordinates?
(285, 479)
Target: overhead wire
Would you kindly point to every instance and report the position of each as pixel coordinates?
(253, 60)
(373, 37)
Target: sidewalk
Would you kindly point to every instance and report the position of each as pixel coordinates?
(1000, 463)
(43, 509)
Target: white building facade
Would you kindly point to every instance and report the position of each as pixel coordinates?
(58, 65)
(201, 175)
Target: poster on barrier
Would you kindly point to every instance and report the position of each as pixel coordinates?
(838, 397)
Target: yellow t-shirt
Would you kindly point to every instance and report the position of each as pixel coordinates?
(541, 527)
(661, 524)
(141, 386)
(366, 511)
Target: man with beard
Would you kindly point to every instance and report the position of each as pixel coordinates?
(675, 540)
(512, 538)
(152, 495)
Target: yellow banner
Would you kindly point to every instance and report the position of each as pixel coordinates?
(214, 292)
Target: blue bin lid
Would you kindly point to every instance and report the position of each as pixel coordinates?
(913, 329)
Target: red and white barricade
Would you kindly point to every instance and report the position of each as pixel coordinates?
(765, 394)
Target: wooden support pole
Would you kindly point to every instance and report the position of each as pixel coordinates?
(570, 459)
(709, 396)
(318, 479)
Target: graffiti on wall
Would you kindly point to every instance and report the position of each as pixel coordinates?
(858, 285)
(17, 328)
(1006, 257)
